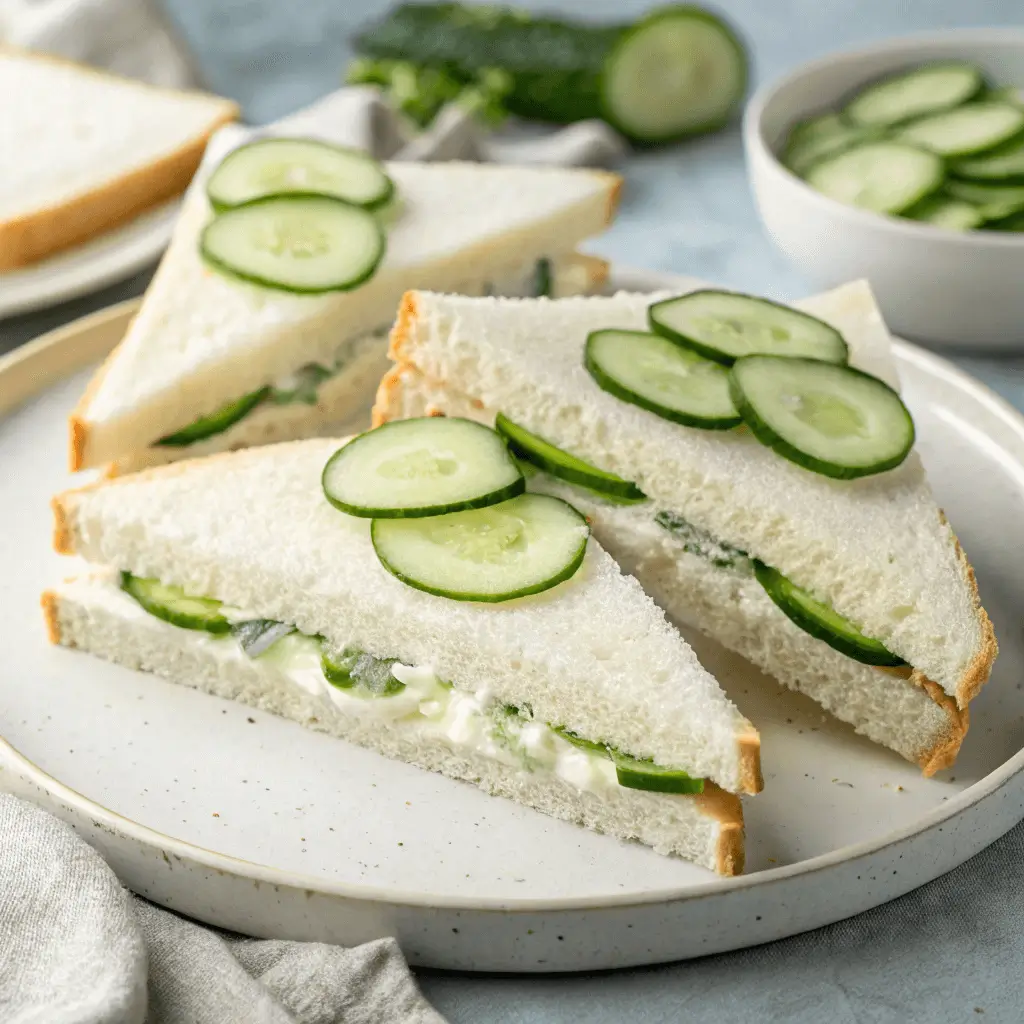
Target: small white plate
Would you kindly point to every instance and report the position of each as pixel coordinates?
(87, 268)
(254, 824)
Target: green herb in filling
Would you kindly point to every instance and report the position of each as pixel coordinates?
(699, 542)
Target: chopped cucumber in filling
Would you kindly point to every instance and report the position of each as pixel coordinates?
(508, 732)
(699, 542)
(543, 282)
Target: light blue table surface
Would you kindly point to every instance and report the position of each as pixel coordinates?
(952, 951)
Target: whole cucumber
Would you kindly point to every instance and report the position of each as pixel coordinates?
(682, 63)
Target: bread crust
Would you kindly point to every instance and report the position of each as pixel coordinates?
(41, 233)
(49, 602)
(727, 810)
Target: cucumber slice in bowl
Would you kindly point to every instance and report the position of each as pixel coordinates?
(887, 177)
(278, 166)
(428, 466)
(633, 773)
(821, 621)
(546, 456)
(662, 377)
(994, 201)
(976, 128)
(523, 546)
(724, 326)
(924, 90)
(173, 605)
(830, 419)
(800, 156)
(946, 212)
(1004, 165)
(680, 71)
(298, 243)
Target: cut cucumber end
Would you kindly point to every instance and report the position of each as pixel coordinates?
(679, 72)
(661, 377)
(520, 547)
(822, 622)
(428, 466)
(284, 165)
(833, 420)
(307, 244)
(534, 449)
(725, 326)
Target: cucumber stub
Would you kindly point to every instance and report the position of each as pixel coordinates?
(173, 605)
(724, 326)
(279, 166)
(427, 466)
(822, 622)
(830, 419)
(975, 128)
(295, 243)
(913, 94)
(520, 547)
(678, 72)
(217, 422)
(662, 377)
(632, 773)
(887, 177)
(534, 449)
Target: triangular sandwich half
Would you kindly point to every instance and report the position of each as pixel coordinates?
(877, 550)
(488, 692)
(213, 362)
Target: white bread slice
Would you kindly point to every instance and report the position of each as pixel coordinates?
(253, 528)
(903, 711)
(84, 151)
(344, 400)
(878, 550)
(202, 339)
(92, 614)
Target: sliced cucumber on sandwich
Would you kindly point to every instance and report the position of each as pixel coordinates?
(173, 605)
(216, 422)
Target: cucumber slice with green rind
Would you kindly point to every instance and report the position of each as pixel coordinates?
(802, 155)
(295, 243)
(520, 547)
(282, 165)
(822, 622)
(887, 177)
(353, 667)
(633, 773)
(830, 419)
(941, 85)
(1011, 222)
(546, 456)
(426, 466)
(217, 422)
(813, 128)
(994, 201)
(662, 377)
(966, 131)
(173, 605)
(587, 746)
(946, 212)
(680, 71)
(725, 326)
(1004, 165)
(1007, 94)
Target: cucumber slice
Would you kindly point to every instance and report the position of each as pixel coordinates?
(994, 201)
(946, 212)
(256, 636)
(351, 667)
(633, 773)
(1011, 222)
(588, 746)
(924, 90)
(1007, 94)
(216, 422)
(800, 156)
(1002, 166)
(544, 455)
(523, 546)
(427, 466)
(302, 244)
(887, 177)
(821, 621)
(831, 419)
(823, 126)
(680, 71)
(281, 166)
(976, 128)
(662, 377)
(542, 278)
(173, 605)
(724, 326)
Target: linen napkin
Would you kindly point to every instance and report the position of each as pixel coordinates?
(77, 948)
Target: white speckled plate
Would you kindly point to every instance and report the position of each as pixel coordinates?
(255, 824)
(87, 268)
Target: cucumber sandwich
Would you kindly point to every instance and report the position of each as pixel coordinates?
(267, 317)
(751, 464)
(404, 591)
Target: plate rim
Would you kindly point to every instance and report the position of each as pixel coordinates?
(52, 342)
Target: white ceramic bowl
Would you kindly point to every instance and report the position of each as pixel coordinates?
(962, 289)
